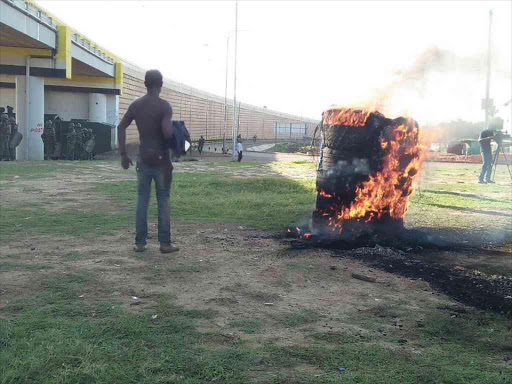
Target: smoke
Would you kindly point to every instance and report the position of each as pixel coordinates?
(415, 78)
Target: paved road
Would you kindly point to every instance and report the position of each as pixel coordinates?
(260, 156)
(258, 145)
(209, 152)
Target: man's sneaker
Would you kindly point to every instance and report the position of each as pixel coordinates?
(481, 182)
(168, 248)
(491, 182)
(139, 248)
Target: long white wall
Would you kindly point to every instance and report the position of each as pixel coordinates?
(203, 112)
(7, 97)
(68, 105)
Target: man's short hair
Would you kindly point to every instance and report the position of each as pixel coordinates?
(153, 79)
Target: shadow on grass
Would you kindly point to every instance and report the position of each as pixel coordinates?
(469, 195)
(471, 210)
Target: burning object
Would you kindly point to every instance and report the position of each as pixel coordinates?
(365, 173)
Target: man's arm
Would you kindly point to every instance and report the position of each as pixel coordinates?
(489, 138)
(167, 122)
(121, 137)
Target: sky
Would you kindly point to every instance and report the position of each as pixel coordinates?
(423, 59)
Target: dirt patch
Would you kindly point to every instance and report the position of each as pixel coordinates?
(217, 270)
(64, 191)
(469, 286)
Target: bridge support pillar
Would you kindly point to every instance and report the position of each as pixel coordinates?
(113, 116)
(31, 147)
(98, 107)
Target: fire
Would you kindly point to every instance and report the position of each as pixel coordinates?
(386, 193)
(323, 194)
(346, 116)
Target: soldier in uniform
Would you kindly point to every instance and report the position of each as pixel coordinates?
(70, 142)
(49, 139)
(89, 136)
(83, 136)
(5, 135)
(78, 142)
(14, 130)
(45, 139)
(10, 111)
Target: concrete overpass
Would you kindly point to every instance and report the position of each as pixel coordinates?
(47, 67)
(52, 68)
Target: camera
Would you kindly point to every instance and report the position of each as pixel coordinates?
(502, 138)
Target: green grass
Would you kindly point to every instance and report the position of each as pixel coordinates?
(65, 222)
(112, 346)
(271, 203)
(236, 164)
(268, 203)
(74, 255)
(8, 265)
(56, 337)
(371, 363)
(69, 327)
(297, 319)
(247, 325)
(38, 169)
(456, 200)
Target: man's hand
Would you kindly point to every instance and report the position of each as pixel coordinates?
(125, 161)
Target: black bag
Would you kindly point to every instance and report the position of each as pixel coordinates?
(180, 134)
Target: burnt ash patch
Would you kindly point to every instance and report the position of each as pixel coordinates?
(396, 255)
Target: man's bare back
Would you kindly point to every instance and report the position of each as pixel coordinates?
(148, 112)
(153, 118)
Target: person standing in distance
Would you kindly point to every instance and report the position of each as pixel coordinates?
(485, 149)
(152, 116)
(200, 145)
(240, 150)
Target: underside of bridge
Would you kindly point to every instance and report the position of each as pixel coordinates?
(48, 68)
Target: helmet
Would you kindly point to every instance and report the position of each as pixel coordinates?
(78, 125)
(72, 125)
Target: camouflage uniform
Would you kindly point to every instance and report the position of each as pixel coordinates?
(70, 142)
(5, 135)
(83, 138)
(49, 139)
(78, 142)
(88, 136)
(14, 130)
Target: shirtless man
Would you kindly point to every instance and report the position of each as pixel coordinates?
(152, 116)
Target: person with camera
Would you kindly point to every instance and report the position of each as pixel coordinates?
(485, 139)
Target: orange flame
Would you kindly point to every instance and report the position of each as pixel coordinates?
(385, 193)
(346, 116)
(322, 193)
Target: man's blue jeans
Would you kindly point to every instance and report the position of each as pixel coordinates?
(487, 166)
(162, 177)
